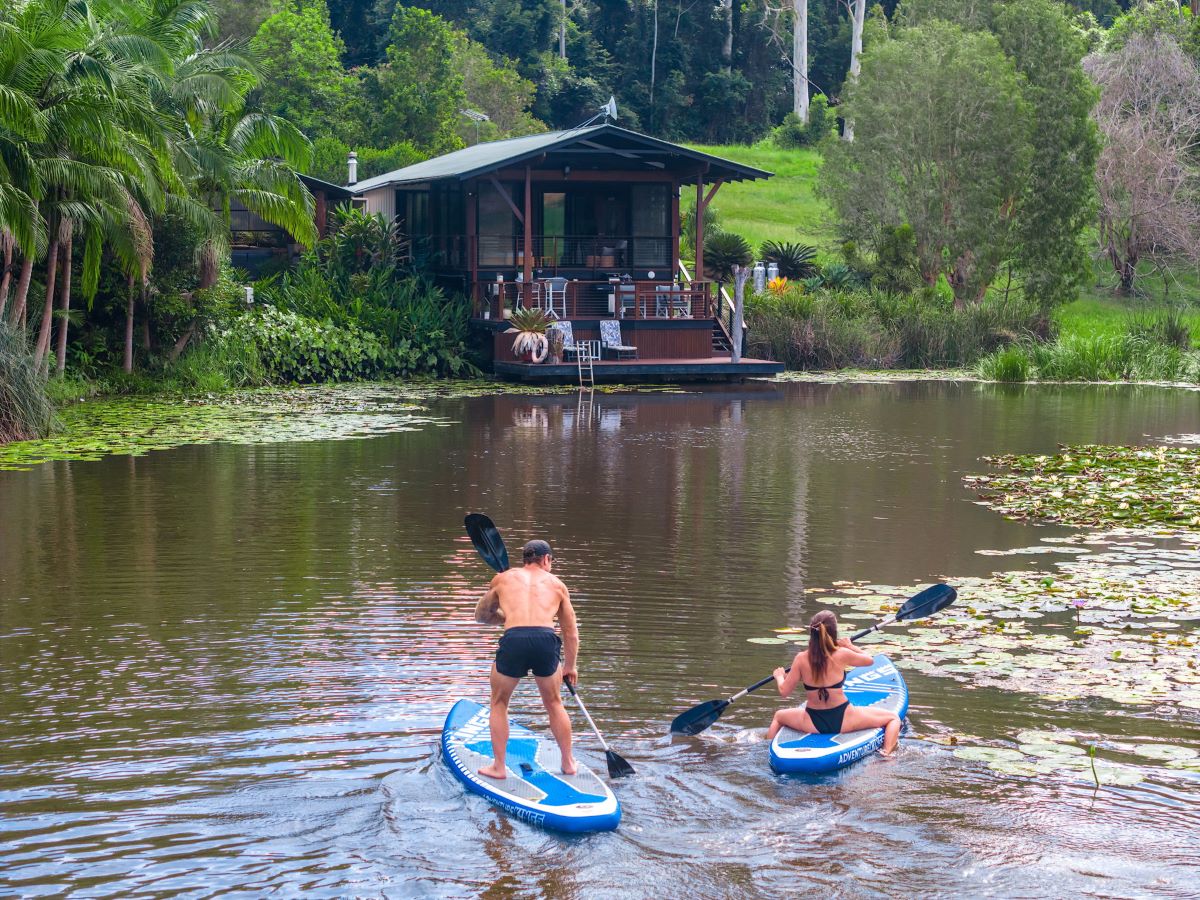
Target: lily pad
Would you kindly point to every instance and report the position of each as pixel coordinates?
(988, 754)
(1169, 752)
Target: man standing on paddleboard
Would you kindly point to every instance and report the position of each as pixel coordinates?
(526, 601)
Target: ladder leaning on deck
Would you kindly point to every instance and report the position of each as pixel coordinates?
(587, 373)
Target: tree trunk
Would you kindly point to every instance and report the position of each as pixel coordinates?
(127, 360)
(43, 341)
(653, 54)
(857, 14)
(64, 305)
(16, 316)
(800, 60)
(6, 242)
(727, 43)
(562, 32)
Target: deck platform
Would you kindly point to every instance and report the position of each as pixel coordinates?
(713, 368)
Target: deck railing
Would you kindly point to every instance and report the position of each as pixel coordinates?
(594, 299)
(600, 253)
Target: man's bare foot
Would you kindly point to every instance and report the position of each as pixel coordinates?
(569, 766)
(494, 771)
(887, 754)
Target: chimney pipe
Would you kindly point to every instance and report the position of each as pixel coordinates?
(353, 166)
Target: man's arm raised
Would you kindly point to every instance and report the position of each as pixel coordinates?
(570, 636)
(487, 610)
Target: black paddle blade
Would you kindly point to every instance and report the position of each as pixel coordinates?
(617, 766)
(696, 719)
(487, 540)
(933, 599)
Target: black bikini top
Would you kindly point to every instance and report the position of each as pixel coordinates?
(823, 692)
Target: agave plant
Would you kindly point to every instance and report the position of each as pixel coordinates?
(794, 260)
(529, 326)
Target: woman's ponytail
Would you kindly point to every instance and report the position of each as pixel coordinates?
(822, 643)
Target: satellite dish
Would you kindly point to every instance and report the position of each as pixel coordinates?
(610, 108)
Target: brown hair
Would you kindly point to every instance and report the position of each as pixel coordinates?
(822, 642)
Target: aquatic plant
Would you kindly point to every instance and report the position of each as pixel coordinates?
(1010, 364)
(1096, 485)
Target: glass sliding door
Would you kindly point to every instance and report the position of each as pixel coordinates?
(651, 226)
(554, 227)
(497, 227)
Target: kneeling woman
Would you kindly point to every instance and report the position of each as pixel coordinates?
(822, 670)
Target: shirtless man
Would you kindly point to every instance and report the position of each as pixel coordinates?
(525, 601)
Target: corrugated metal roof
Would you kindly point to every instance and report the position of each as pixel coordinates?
(492, 155)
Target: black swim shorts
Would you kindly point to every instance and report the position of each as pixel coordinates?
(528, 647)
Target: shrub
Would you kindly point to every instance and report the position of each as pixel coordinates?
(25, 410)
(896, 266)
(295, 349)
(794, 260)
(724, 250)
(792, 133)
(1010, 364)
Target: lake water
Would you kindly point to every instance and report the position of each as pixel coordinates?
(224, 668)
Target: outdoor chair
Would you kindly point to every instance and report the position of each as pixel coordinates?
(628, 296)
(554, 294)
(570, 347)
(610, 340)
(667, 300)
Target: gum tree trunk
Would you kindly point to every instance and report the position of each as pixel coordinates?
(858, 14)
(43, 341)
(800, 60)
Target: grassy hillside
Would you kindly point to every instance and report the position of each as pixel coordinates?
(786, 208)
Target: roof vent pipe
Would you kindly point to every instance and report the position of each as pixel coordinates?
(352, 164)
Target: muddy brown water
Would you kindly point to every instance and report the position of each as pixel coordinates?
(223, 669)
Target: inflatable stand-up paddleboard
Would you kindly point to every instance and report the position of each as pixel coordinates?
(878, 685)
(535, 790)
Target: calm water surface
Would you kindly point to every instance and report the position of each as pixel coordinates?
(223, 669)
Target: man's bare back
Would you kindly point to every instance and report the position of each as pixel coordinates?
(529, 596)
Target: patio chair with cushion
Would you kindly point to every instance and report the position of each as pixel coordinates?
(610, 340)
(570, 347)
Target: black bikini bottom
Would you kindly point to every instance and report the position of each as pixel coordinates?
(827, 721)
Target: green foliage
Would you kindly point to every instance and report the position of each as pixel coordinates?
(794, 260)
(897, 268)
(295, 349)
(25, 410)
(724, 250)
(529, 320)
(829, 329)
(941, 143)
(1010, 364)
(417, 94)
(496, 88)
(1169, 327)
(1058, 201)
(793, 133)
(303, 79)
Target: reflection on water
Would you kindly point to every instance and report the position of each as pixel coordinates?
(226, 666)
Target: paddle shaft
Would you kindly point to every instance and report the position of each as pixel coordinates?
(587, 715)
(858, 637)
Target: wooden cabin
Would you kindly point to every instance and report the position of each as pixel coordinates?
(258, 245)
(585, 225)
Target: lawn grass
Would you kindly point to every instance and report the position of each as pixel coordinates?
(782, 208)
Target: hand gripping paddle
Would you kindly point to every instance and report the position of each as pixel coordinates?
(491, 547)
(931, 600)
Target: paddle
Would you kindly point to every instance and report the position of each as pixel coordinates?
(491, 547)
(931, 600)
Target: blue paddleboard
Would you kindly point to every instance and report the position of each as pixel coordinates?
(535, 790)
(879, 685)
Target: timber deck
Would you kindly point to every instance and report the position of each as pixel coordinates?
(715, 368)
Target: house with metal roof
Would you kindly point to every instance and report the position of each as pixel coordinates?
(583, 224)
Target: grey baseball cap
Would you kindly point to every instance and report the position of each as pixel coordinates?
(535, 550)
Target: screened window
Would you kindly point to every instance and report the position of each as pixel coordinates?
(497, 226)
(651, 225)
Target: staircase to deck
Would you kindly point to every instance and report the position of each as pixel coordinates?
(722, 344)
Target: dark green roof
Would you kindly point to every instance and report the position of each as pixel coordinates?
(597, 147)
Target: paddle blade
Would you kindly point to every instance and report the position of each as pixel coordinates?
(487, 540)
(696, 719)
(617, 766)
(933, 599)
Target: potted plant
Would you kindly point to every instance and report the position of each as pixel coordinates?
(529, 327)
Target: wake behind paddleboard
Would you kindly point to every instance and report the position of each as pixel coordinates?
(535, 790)
(878, 685)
